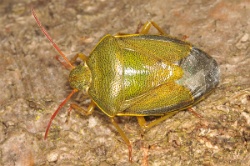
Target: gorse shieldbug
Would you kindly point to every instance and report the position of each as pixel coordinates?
(140, 75)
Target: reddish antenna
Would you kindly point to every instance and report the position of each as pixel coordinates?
(57, 110)
(66, 60)
(50, 39)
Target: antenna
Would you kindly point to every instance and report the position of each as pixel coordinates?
(57, 110)
(50, 39)
(67, 62)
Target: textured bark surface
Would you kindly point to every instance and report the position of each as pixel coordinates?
(33, 83)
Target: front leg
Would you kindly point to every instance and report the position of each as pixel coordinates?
(82, 56)
(85, 112)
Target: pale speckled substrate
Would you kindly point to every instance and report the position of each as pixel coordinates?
(33, 83)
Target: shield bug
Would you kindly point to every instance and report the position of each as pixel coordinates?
(140, 75)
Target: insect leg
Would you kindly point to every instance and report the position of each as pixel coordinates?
(73, 60)
(79, 55)
(142, 122)
(89, 110)
(147, 26)
(124, 137)
(194, 113)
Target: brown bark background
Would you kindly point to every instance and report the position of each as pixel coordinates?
(33, 83)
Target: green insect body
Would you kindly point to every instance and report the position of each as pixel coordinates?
(141, 75)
